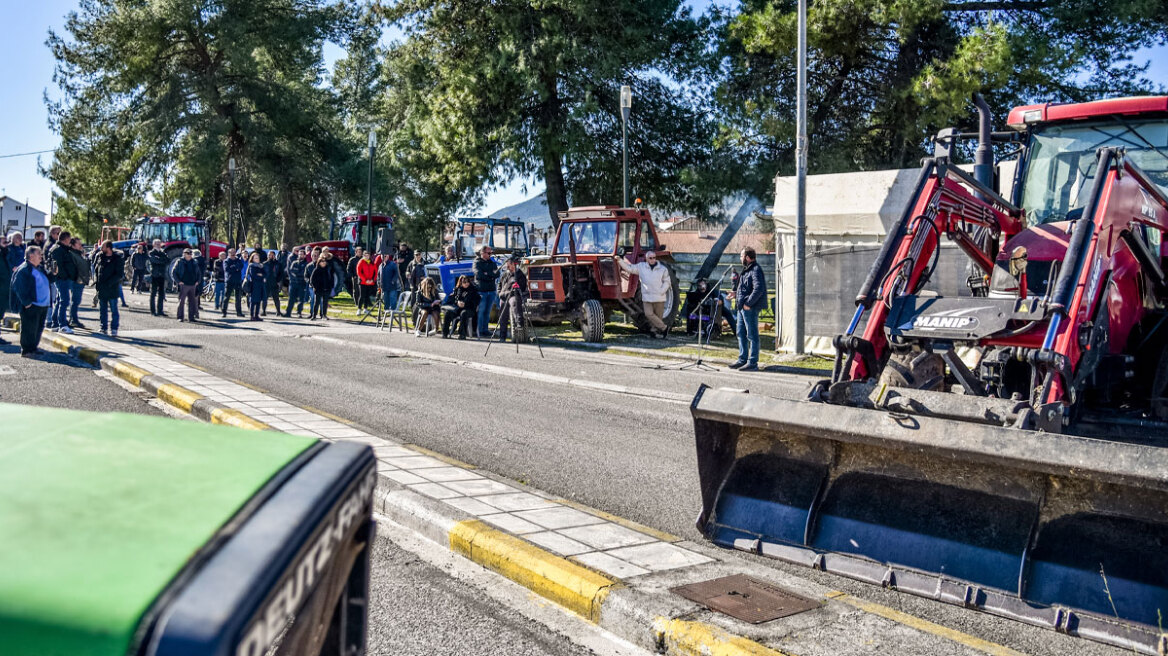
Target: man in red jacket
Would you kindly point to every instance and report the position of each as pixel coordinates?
(366, 281)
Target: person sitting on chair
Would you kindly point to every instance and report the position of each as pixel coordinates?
(428, 306)
(461, 304)
(703, 308)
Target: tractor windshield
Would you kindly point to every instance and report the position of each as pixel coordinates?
(1062, 162)
(509, 238)
(592, 237)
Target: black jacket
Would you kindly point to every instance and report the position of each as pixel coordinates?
(158, 263)
(187, 272)
(66, 265)
(752, 287)
(510, 283)
(110, 270)
(233, 270)
(5, 277)
(322, 280)
(296, 271)
(486, 273)
(273, 273)
(469, 296)
(217, 274)
(351, 268)
(139, 261)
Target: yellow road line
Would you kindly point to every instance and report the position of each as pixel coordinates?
(180, 397)
(924, 625)
(700, 639)
(573, 586)
(232, 417)
(616, 519)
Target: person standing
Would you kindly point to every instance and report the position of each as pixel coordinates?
(351, 275)
(30, 292)
(297, 283)
(512, 293)
(15, 253)
(751, 296)
(273, 274)
(322, 281)
(5, 282)
(158, 263)
(366, 281)
(655, 286)
(416, 271)
(62, 272)
(309, 266)
(186, 276)
(233, 283)
(486, 277)
(108, 271)
(140, 263)
(82, 265)
(218, 280)
(257, 279)
(389, 280)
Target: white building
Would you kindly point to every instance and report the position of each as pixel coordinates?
(18, 216)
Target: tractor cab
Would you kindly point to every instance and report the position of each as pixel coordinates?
(175, 233)
(504, 236)
(352, 233)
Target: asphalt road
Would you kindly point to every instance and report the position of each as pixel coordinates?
(628, 455)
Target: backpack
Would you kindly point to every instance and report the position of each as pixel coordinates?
(50, 262)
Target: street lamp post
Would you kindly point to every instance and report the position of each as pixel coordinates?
(230, 198)
(369, 214)
(801, 180)
(626, 107)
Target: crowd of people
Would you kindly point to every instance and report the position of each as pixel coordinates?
(48, 276)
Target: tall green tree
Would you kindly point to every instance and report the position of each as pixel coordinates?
(174, 88)
(518, 88)
(886, 75)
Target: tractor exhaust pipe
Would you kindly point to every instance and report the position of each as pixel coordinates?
(983, 160)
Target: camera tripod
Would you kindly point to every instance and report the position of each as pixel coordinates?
(527, 325)
(703, 337)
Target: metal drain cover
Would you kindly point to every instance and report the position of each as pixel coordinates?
(746, 599)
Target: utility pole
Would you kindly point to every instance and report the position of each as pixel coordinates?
(626, 107)
(801, 183)
(25, 214)
(230, 198)
(369, 214)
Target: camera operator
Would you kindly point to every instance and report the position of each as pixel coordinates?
(512, 293)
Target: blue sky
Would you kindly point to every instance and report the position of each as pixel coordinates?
(27, 73)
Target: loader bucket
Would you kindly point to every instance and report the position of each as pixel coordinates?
(1055, 530)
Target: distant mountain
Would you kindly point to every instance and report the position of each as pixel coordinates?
(533, 210)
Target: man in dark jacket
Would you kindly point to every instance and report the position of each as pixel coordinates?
(751, 296)
(273, 274)
(158, 263)
(187, 277)
(351, 274)
(486, 277)
(30, 292)
(233, 278)
(297, 283)
(62, 272)
(217, 279)
(109, 269)
(405, 255)
(140, 263)
(82, 266)
(5, 282)
(512, 293)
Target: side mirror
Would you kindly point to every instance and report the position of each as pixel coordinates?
(620, 251)
(662, 247)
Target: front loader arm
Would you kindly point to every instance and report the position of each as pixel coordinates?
(946, 201)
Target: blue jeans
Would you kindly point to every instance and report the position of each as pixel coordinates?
(747, 329)
(389, 299)
(78, 288)
(487, 301)
(297, 293)
(220, 287)
(107, 307)
(64, 300)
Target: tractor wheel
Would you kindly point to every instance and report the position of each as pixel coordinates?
(672, 305)
(591, 319)
(914, 370)
(174, 255)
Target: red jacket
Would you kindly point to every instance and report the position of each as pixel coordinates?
(366, 273)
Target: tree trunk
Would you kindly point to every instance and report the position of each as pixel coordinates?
(553, 169)
(557, 194)
(291, 213)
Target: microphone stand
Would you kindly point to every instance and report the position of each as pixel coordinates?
(703, 340)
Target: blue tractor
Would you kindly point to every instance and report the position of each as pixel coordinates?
(504, 236)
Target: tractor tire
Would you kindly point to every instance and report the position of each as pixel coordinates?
(174, 255)
(672, 305)
(914, 370)
(591, 319)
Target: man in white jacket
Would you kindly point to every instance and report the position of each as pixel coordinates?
(655, 286)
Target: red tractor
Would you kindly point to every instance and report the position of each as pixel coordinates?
(581, 282)
(353, 232)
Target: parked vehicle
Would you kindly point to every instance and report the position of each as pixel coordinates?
(505, 237)
(352, 232)
(581, 282)
(176, 232)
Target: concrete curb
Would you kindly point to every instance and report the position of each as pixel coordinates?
(595, 597)
(175, 395)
